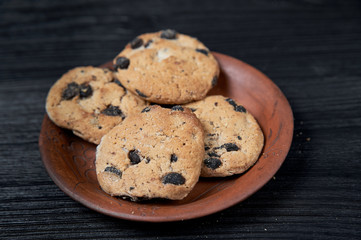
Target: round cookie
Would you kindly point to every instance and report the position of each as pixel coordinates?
(233, 138)
(167, 67)
(90, 102)
(155, 154)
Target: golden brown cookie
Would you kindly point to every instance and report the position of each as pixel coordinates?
(233, 138)
(155, 154)
(167, 67)
(90, 102)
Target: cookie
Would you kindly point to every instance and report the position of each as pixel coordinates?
(167, 67)
(233, 138)
(90, 102)
(155, 154)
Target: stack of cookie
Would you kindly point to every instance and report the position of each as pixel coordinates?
(156, 130)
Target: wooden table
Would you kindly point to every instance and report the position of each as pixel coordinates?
(310, 49)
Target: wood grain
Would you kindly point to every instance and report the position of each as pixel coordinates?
(310, 49)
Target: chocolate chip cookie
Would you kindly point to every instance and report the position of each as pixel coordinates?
(233, 138)
(167, 67)
(90, 102)
(154, 154)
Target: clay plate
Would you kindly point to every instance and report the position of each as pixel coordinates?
(69, 160)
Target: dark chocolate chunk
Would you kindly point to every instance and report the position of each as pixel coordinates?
(140, 93)
(204, 51)
(230, 147)
(173, 178)
(70, 91)
(173, 158)
(232, 102)
(177, 108)
(146, 109)
(212, 163)
(134, 157)
(214, 81)
(206, 148)
(213, 154)
(113, 170)
(148, 43)
(116, 81)
(113, 111)
(122, 63)
(237, 108)
(85, 90)
(240, 108)
(136, 43)
(169, 34)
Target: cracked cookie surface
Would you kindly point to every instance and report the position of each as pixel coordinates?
(233, 138)
(167, 67)
(88, 101)
(154, 154)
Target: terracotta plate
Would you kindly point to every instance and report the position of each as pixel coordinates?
(70, 161)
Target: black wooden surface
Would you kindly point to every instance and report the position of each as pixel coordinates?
(310, 49)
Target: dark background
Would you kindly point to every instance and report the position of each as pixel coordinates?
(310, 49)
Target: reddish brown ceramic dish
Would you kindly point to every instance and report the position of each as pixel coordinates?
(69, 160)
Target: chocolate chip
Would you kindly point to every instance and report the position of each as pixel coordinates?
(173, 158)
(193, 109)
(169, 34)
(216, 104)
(230, 147)
(70, 91)
(240, 108)
(237, 108)
(212, 163)
(177, 108)
(232, 102)
(131, 188)
(85, 90)
(136, 43)
(134, 157)
(206, 148)
(173, 178)
(140, 93)
(113, 170)
(106, 70)
(122, 63)
(116, 81)
(146, 109)
(113, 111)
(148, 43)
(147, 159)
(204, 51)
(214, 81)
(213, 154)
(239, 137)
